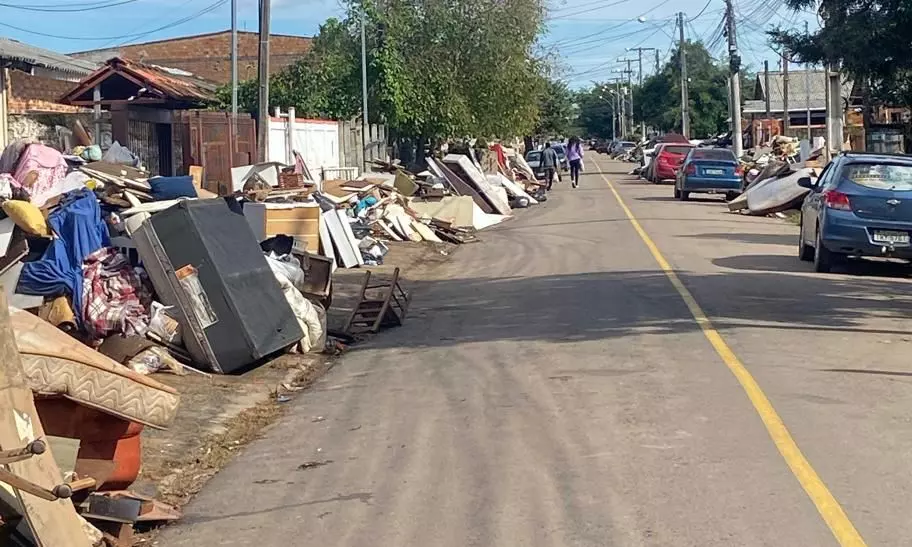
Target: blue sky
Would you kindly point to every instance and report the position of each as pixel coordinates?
(586, 36)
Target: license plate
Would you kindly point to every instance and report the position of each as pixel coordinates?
(893, 238)
(714, 171)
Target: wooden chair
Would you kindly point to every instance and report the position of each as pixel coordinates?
(380, 305)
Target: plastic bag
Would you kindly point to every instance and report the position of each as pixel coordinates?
(119, 154)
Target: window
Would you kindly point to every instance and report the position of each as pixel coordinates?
(718, 154)
(880, 176)
(672, 149)
(533, 156)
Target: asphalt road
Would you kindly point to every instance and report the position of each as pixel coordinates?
(551, 388)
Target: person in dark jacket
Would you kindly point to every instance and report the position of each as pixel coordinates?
(549, 162)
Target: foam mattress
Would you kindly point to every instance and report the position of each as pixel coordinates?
(56, 364)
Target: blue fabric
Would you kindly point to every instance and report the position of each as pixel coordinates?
(172, 187)
(81, 232)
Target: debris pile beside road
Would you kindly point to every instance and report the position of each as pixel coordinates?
(771, 178)
(114, 275)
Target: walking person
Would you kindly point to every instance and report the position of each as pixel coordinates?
(549, 163)
(575, 156)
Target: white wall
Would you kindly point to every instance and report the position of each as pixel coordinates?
(316, 140)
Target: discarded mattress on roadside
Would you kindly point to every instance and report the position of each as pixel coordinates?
(773, 194)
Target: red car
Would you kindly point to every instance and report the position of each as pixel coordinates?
(668, 158)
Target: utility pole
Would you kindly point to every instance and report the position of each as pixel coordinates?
(766, 86)
(786, 118)
(807, 92)
(263, 62)
(685, 99)
(234, 78)
(365, 133)
(629, 73)
(640, 51)
(735, 65)
(620, 110)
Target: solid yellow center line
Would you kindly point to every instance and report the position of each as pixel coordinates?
(820, 495)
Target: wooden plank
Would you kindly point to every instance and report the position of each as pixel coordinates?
(326, 244)
(54, 523)
(302, 223)
(349, 255)
(462, 187)
(426, 233)
(465, 168)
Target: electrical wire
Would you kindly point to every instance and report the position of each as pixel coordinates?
(571, 41)
(63, 8)
(217, 4)
(697, 16)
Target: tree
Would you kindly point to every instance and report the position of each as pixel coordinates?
(596, 110)
(436, 68)
(658, 101)
(868, 39)
(556, 109)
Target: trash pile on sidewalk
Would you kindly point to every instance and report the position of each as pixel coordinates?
(113, 275)
(771, 178)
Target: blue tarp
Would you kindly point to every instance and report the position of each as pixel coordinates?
(80, 231)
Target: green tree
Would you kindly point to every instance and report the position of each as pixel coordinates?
(658, 101)
(868, 39)
(436, 68)
(556, 109)
(596, 110)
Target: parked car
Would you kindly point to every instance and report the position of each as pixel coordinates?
(667, 160)
(709, 171)
(533, 158)
(561, 150)
(619, 148)
(603, 147)
(860, 206)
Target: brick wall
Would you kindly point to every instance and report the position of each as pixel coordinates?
(29, 93)
(209, 55)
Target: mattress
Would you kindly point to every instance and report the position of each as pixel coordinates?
(56, 364)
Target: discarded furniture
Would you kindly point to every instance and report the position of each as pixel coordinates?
(205, 261)
(50, 522)
(383, 304)
(82, 394)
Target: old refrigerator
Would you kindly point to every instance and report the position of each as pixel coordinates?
(203, 259)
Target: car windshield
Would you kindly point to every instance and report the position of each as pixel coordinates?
(559, 148)
(716, 154)
(880, 176)
(533, 156)
(672, 149)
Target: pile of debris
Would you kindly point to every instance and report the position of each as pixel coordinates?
(771, 178)
(113, 274)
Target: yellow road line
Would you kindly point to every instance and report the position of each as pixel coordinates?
(826, 504)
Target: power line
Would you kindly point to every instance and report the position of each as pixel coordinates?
(211, 7)
(697, 16)
(570, 41)
(65, 8)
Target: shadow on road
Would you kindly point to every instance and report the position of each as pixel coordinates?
(786, 263)
(758, 239)
(596, 306)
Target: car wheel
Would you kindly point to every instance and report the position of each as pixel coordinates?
(805, 251)
(677, 192)
(823, 257)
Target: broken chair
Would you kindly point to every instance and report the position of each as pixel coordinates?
(383, 304)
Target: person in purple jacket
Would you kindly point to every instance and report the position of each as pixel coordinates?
(575, 156)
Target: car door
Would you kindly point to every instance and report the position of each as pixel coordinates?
(813, 203)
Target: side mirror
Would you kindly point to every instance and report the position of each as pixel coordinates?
(806, 182)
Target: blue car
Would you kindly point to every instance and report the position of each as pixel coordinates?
(860, 206)
(708, 171)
